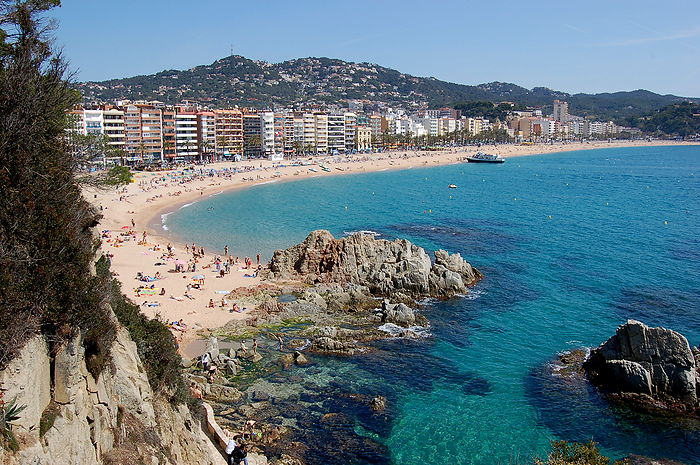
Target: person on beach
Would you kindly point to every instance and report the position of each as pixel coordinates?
(258, 256)
(133, 224)
(205, 362)
(243, 346)
(211, 303)
(226, 250)
(212, 372)
(255, 346)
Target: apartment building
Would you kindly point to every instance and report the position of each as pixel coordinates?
(350, 130)
(228, 128)
(267, 133)
(143, 133)
(336, 133)
(252, 135)
(186, 140)
(206, 134)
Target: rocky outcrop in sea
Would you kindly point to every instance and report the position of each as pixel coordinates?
(652, 367)
(386, 268)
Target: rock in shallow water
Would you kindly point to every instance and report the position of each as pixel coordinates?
(385, 267)
(654, 362)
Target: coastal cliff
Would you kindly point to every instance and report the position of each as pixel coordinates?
(653, 367)
(72, 417)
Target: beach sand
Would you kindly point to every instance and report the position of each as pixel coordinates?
(146, 199)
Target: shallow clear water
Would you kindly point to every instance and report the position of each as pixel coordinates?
(571, 244)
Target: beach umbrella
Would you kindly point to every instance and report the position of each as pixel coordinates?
(198, 276)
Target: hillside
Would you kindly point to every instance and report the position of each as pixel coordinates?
(236, 80)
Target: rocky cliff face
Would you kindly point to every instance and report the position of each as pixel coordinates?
(655, 366)
(385, 267)
(73, 418)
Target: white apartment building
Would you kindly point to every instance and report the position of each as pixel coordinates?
(350, 131)
(186, 140)
(113, 126)
(336, 134)
(267, 132)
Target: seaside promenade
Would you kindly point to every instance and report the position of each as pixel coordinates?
(138, 246)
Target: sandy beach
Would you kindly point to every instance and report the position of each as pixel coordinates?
(138, 246)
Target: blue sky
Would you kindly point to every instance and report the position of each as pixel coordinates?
(587, 46)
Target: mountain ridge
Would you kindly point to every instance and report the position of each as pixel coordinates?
(237, 80)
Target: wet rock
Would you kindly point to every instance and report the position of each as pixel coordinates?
(378, 404)
(335, 419)
(231, 367)
(286, 360)
(300, 359)
(653, 363)
(259, 396)
(399, 314)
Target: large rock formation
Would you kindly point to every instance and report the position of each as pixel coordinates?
(385, 267)
(650, 365)
(73, 418)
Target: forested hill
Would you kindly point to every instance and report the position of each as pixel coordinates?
(236, 80)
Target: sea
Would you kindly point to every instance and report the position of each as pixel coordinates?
(571, 245)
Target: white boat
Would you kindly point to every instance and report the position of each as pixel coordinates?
(481, 157)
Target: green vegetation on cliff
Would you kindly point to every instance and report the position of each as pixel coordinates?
(46, 242)
(47, 245)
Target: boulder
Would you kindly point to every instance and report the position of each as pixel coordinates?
(212, 347)
(286, 360)
(384, 267)
(223, 393)
(327, 344)
(656, 362)
(300, 359)
(399, 314)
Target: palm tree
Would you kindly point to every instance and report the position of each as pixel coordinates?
(141, 149)
(205, 146)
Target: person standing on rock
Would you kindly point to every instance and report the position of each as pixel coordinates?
(236, 453)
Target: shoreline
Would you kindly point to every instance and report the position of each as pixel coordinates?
(440, 158)
(138, 204)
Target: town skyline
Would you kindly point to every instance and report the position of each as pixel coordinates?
(568, 49)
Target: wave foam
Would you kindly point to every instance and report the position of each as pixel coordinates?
(412, 332)
(163, 219)
(366, 232)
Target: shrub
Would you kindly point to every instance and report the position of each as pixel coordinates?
(574, 453)
(46, 241)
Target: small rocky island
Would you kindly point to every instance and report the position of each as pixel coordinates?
(386, 268)
(649, 367)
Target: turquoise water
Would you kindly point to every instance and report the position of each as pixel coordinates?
(571, 244)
